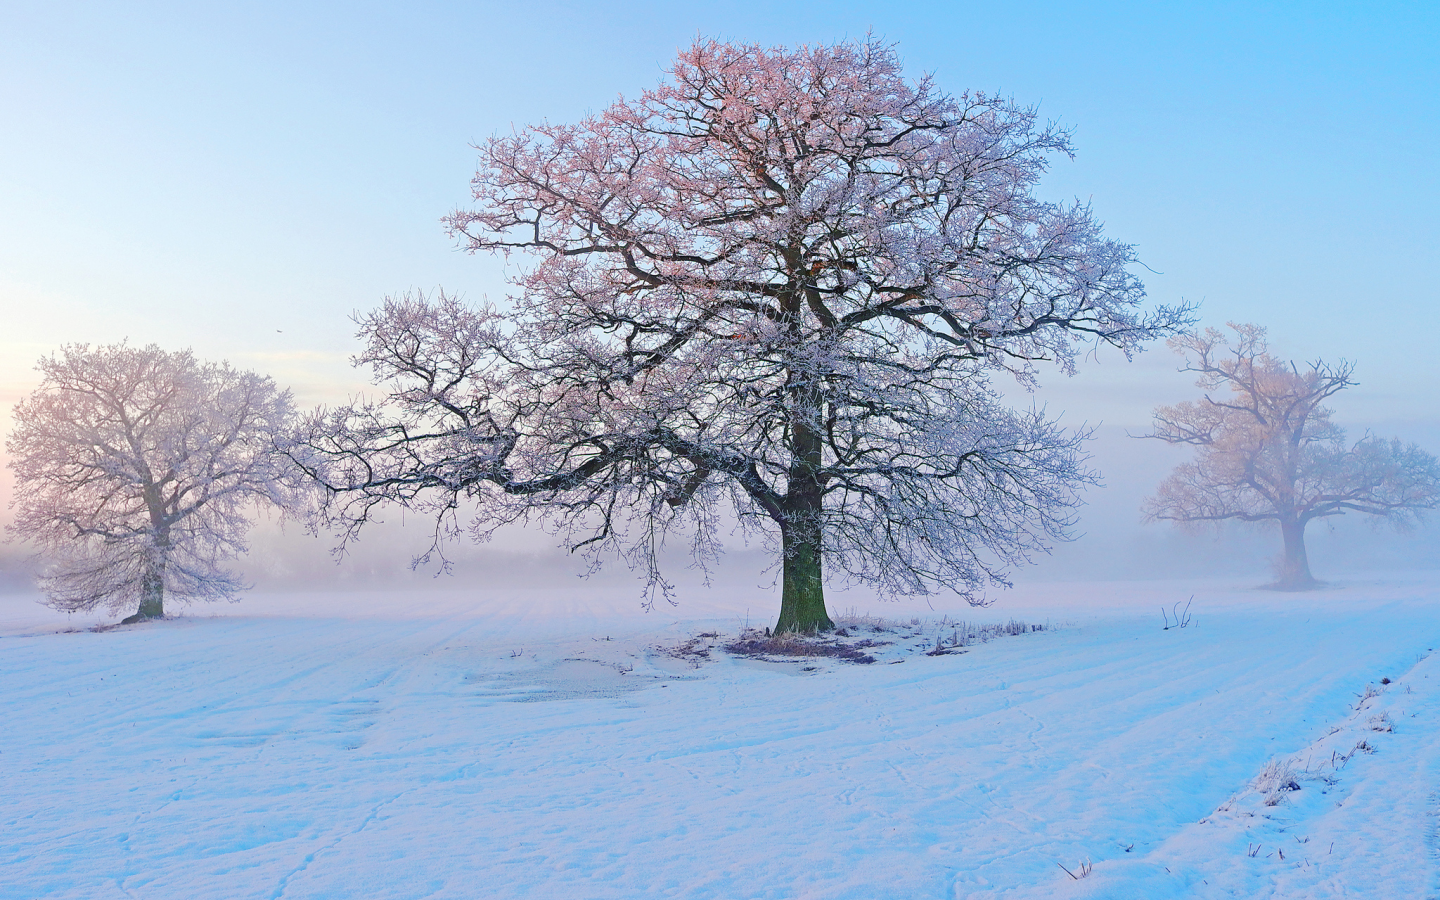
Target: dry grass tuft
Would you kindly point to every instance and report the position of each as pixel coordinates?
(755, 643)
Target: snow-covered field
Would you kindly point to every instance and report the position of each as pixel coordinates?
(464, 745)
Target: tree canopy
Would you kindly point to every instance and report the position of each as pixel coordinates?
(776, 285)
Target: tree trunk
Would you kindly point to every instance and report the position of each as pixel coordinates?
(152, 583)
(152, 596)
(802, 594)
(1295, 564)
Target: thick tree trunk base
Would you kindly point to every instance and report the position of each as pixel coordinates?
(1294, 564)
(152, 601)
(802, 596)
(804, 621)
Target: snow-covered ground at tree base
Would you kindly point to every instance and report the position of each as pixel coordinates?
(469, 744)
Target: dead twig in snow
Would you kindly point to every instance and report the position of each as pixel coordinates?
(1182, 617)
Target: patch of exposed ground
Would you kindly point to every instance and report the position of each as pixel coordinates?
(859, 640)
(839, 644)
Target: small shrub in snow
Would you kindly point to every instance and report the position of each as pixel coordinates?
(1182, 616)
(852, 622)
(1370, 693)
(963, 634)
(1276, 780)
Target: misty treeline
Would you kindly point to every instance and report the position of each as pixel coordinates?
(774, 290)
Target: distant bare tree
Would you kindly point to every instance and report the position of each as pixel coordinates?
(1268, 451)
(136, 469)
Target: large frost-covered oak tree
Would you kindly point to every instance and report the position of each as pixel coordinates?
(136, 471)
(777, 286)
(1268, 451)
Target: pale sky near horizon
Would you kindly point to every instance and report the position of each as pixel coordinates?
(239, 179)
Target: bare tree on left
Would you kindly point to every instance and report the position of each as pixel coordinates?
(137, 472)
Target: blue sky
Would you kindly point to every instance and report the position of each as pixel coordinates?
(240, 179)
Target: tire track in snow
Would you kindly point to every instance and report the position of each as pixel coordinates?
(1432, 842)
(1342, 832)
(451, 628)
(331, 684)
(374, 813)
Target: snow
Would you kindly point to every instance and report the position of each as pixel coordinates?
(473, 743)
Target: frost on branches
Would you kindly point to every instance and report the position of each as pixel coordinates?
(135, 470)
(1268, 451)
(774, 286)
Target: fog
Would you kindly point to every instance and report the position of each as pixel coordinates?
(1110, 541)
(1111, 544)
